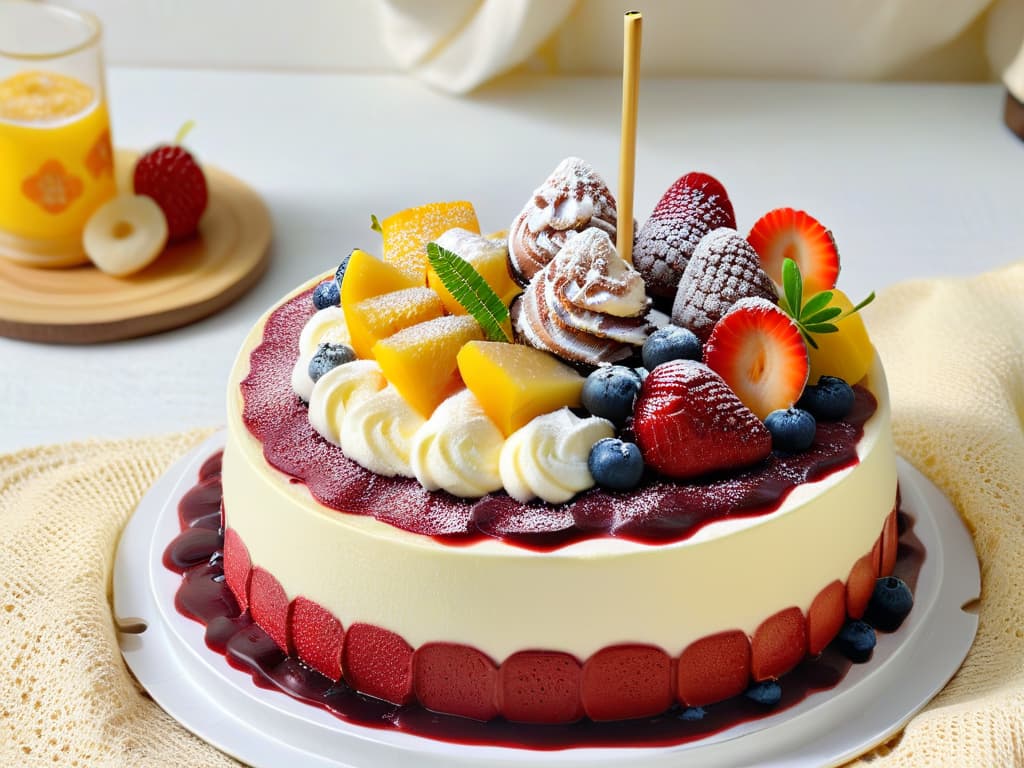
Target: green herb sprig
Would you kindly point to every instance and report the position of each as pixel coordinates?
(470, 289)
(815, 316)
(375, 224)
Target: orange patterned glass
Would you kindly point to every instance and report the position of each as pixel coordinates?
(56, 157)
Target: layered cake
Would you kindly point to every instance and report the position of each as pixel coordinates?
(523, 477)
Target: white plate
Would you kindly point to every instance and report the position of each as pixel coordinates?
(267, 729)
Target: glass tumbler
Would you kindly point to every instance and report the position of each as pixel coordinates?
(56, 156)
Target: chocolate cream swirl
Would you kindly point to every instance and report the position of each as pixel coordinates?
(573, 198)
(587, 305)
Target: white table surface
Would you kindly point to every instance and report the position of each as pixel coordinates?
(914, 180)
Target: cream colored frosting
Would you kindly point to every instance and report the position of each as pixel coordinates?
(470, 245)
(580, 598)
(457, 449)
(326, 326)
(377, 432)
(547, 458)
(340, 389)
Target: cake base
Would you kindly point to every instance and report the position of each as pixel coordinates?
(168, 655)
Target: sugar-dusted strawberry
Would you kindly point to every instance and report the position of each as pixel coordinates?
(696, 204)
(171, 176)
(688, 423)
(723, 270)
(759, 351)
(788, 233)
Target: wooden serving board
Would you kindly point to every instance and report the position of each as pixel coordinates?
(189, 281)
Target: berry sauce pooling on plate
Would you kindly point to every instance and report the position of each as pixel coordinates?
(205, 597)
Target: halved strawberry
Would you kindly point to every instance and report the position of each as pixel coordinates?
(786, 233)
(688, 423)
(758, 350)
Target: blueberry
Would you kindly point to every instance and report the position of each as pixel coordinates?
(615, 464)
(670, 343)
(339, 273)
(889, 605)
(831, 399)
(856, 640)
(328, 357)
(768, 693)
(609, 392)
(693, 714)
(326, 294)
(792, 429)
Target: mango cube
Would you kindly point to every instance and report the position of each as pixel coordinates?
(378, 317)
(515, 383)
(847, 353)
(367, 276)
(407, 233)
(488, 257)
(420, 361)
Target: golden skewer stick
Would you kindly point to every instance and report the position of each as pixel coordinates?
(632, 23)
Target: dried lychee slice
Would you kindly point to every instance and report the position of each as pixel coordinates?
(125, 234)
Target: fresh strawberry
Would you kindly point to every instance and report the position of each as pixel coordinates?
(688, 423)
(692, 207)
(788, 234)
(759, 351)
(723, 270)
(173, 178)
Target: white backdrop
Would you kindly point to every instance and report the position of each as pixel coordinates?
(958, 40)
(334, 35)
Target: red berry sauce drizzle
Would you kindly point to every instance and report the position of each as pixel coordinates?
(657, 512)
(204, 596)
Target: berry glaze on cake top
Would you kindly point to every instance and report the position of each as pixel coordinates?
(659, 511)
(724, 566)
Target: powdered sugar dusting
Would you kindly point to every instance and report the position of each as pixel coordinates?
(573, 198)
(586, 305)
(693, 206)
(724, 269)
(658, 511)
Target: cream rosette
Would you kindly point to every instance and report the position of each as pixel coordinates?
(458, 449)
(547, 458)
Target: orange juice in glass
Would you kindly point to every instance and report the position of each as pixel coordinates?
(56, 157)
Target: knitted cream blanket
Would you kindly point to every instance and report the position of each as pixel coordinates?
(954, 355)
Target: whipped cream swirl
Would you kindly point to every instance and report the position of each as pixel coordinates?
(571, 199)
(377, 432)
(457, 449)
(340, 389)
(325, 327)
(547, 458)
(587, 305)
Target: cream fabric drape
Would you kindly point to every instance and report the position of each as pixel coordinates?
(457, 45)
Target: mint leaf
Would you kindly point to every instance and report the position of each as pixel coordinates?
(469, 288)
(859, 307)
(816, 303)
(821, 327)
(375, 224)
(823, 316)
(792, 284)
